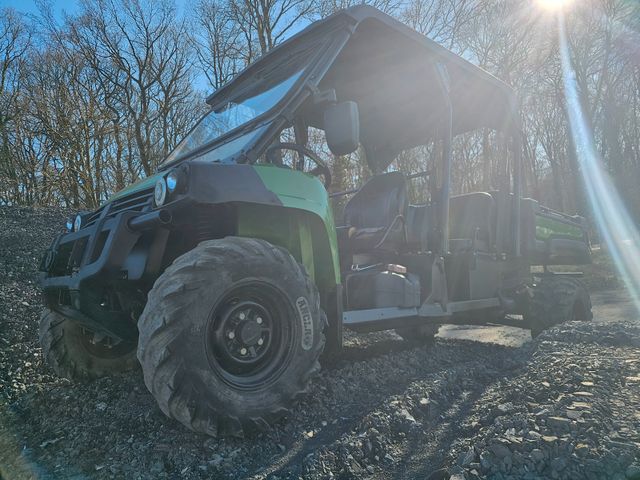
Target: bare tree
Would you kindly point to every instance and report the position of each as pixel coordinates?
(15, 40)
(146, 54)
(265, 23)
(218, 42)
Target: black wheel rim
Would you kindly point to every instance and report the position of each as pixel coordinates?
(249, 335)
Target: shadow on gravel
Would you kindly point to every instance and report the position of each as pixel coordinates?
(421, 462)
(412, 418)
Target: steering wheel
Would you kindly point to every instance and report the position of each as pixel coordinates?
(321, 167)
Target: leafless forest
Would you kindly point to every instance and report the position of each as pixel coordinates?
(94, 100)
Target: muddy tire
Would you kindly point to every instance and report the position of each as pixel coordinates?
(73, 352)
(557, 299)
(422, 334)
(230, 336)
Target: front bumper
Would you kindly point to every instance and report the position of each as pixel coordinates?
(80, 268)
(77, 257)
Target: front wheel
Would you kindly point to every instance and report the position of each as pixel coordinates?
(230, 336)
(77, 353)
(557, 299)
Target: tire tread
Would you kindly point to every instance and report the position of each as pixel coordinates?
(553, 302)
(160, 326)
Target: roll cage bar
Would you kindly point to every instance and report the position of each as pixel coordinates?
(470, 97)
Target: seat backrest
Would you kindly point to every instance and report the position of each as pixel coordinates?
(421, 223)
(378, 202)
(471, 216)
(503, 222)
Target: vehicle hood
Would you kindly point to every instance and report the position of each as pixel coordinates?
(142, 184)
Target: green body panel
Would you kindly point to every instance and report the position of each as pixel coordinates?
(547, 227)
(310, 233)
(305, 225)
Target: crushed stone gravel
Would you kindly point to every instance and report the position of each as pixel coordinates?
(564, 406)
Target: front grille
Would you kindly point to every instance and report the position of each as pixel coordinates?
(135, 202)
(69, 255)
(68, 258)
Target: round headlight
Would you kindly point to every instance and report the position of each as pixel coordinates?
(172, 181)
(160, 192)
(69, 224)
(77, 223)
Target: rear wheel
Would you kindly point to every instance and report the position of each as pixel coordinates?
(420, 334)
(231, 334)
(557, 299)
(77, 353)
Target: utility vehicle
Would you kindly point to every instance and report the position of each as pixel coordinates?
(225, 272)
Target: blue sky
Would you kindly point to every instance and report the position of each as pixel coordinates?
(59, 6)
(29, 6)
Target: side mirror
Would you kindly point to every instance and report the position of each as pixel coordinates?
(342, 127)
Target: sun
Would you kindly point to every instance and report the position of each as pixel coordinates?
(554, 5)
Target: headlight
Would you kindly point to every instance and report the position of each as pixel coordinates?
(69, 224)
(77, 223)
(172, 181)
(160, 192)
(177, 180)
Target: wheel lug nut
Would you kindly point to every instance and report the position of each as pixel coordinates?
(243, 351)
(231, 335)
(242, 316)
(259, 320)
(260, 341)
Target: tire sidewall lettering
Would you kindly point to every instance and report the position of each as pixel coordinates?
(306, 321)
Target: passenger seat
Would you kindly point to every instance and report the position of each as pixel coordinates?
(419, 222)
(471, 217)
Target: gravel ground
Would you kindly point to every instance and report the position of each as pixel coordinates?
(563, 406)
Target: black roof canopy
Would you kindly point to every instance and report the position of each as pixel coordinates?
(391, 71)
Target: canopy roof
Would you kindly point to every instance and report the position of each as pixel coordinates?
(392, 72)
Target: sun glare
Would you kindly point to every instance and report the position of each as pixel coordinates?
(554, 5)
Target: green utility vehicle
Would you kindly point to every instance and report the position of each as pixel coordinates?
(224, 274)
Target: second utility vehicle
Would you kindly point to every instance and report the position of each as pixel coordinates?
(225, 273)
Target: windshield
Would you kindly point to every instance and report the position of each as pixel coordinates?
(223, 152)
(233, 115)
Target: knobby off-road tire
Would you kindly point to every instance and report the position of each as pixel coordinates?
(230, 336)
(422, 334)
(69, 349)
(557, 299)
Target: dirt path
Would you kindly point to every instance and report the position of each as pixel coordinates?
(484, 402)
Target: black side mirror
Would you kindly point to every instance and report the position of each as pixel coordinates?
(342, 127)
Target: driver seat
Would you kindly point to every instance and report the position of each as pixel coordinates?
(375, 215)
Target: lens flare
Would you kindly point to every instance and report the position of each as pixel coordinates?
(554, 5)
(614, 222)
